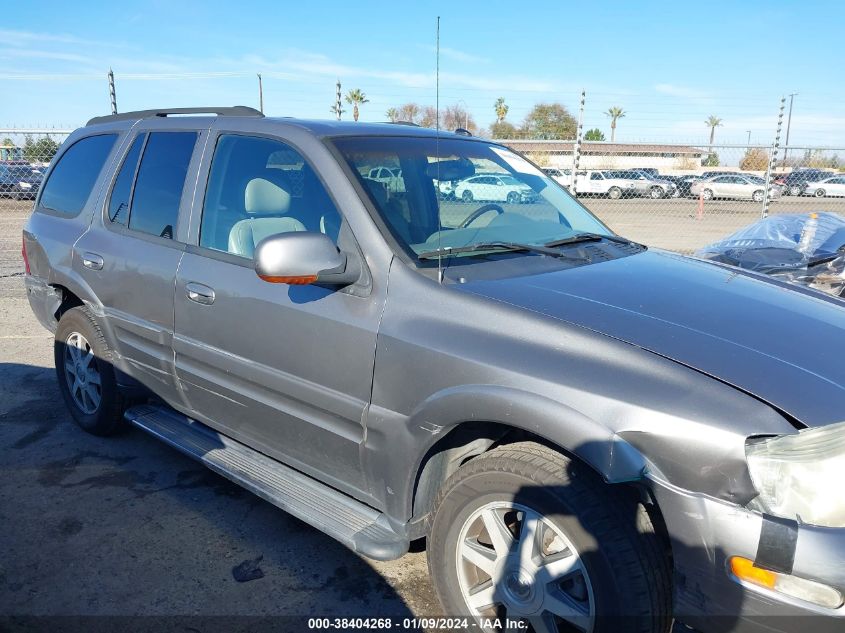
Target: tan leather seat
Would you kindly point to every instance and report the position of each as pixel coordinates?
(268, 203)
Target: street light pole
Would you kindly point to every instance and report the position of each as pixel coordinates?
(260, 95)
(788, 122)
(749, 136)
(466, 114)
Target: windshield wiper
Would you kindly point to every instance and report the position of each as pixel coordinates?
(588, 237)
(502, 246)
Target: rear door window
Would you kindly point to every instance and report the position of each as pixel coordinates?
(122, 190)
(154, 208)
(73, 177)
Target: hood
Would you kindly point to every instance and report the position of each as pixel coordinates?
(783, 344)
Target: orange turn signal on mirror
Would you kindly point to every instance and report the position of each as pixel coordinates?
(744, 569)
(293, 281)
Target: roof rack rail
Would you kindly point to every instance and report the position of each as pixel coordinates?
(164, 112)
(404, 123)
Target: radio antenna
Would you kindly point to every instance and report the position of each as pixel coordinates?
(437, 150)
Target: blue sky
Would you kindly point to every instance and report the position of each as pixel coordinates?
(668, 64)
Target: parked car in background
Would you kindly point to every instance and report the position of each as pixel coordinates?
(682, 184)
(19, 180)
(561, 176)
(827, 188)
(643, 184)
(736, 186)
(604, 183)
(796, 182)
(494, 188)
(390, 177)
(650, 171)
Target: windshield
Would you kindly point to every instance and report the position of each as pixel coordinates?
(497, 196)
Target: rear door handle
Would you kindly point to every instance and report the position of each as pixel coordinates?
(92, 261)
(199, 293)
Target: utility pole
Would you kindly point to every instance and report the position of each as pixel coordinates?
(112, 92)
(749, 137)
(260, 94)
(788, 123)
(338, 105)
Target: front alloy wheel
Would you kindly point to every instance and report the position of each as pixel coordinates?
(511, 558)
(528, 537)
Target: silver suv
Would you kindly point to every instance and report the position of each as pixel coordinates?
(587, 433)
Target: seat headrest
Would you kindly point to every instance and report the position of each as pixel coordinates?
(262, 197)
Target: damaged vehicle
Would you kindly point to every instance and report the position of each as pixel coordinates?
(802, 248)
(588, 434)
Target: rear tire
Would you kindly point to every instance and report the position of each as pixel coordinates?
(466, 196)
(549, 532)
(655, 193)
(707, 194)
(758, 195)
(795, 190)
(820, 193)
(86, 375)
(614, 193)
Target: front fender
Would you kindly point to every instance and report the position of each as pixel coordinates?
(391, 439)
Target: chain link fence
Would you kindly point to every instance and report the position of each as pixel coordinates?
(674, 196)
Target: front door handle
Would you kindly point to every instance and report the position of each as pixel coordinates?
(92, 261)
(199, 293)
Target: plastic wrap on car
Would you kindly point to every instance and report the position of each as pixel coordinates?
(772, 246)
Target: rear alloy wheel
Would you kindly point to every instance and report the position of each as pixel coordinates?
(524, 534)
(86, 375)
(513, 197)
(758, 195)
(655, 193)
(819, 193)
(614, 193)
(795, 190)
(707, 194)
(466, 196)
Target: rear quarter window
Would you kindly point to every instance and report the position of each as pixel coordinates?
(74, 175)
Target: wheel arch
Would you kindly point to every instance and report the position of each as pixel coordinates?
(473, 419)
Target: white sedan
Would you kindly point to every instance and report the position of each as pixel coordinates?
(834, 186)
(494, 188)
(737, 186)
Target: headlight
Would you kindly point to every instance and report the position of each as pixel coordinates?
(801, 476)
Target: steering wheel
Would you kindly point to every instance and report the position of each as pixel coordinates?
(479, 212)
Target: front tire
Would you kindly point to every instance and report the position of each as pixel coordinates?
(707, 194)
(513, 197)
(523, 532)
(795, 190)
(86, 375)
(614, 193)
(655, 193)
(758, 195)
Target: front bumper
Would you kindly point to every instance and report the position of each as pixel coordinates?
(705, 533)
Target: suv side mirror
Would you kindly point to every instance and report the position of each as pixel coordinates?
(300, 258)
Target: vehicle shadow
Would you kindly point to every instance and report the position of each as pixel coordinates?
(124, 533)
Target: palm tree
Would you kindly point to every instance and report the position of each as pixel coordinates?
(501, 109)
(392, 115)
(614, 113)
(337, 110)
(355, 97)
(713, 122)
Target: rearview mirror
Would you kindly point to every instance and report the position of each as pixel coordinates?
(300, 258)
